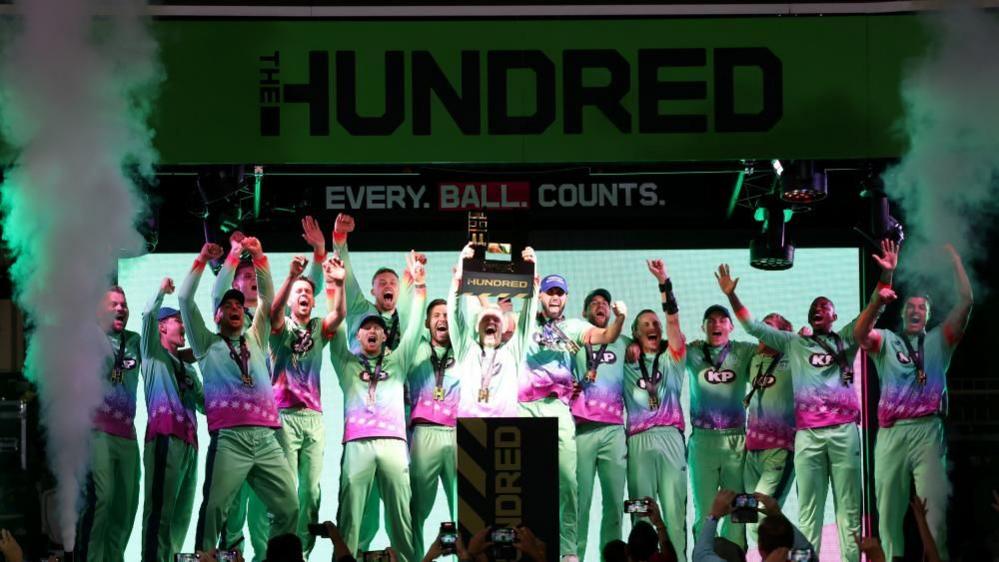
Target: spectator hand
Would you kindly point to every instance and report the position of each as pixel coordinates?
(529, 544)
(479, 542)
(871, 547)
(769, 504)
(9, 547)
(722, 505)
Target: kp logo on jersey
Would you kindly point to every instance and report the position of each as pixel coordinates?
(820, 360)
(724, 376)
(903, 358)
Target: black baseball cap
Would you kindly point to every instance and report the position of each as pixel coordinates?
(232, 294)
(596, 293)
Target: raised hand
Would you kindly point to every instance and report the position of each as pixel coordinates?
(528, 255)
(210, 252)
(888, 260)
(344, 224)
(313, 235)
(333, 270)
(658, 269)
(252, 245)
(805, 330)
(236, 239)
(886, 296)
(725, 281)
(619, 308)
(297, 266)
(415, 267)
(166, 286)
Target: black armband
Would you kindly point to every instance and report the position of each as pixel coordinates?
(670, 306)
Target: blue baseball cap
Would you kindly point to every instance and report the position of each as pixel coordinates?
(554, 281)
(166, 312)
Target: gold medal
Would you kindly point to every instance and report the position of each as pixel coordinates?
(483, 395)
(247, 381)
(653, 402)
(117, 375)
(591, 375)
(921, 376)
(439, 394)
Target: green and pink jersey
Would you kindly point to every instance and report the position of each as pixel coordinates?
(602, 400)
(488, 376)
(297, 359)
(822, 398)
(237, 380)
(374, 386)
(547, 369)
(652, 391)
(719, 376)
(173, 388)
(116, 414)
(434, 384)
(903, 395)
(770, 414)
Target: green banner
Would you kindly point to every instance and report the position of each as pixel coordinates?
(507, 91)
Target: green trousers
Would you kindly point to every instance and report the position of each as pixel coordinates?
(822, 455)
(386, 461)
(249, 455)
(303, 438)
(601, 452)
(247, 510)
(769, 472)
(657, 468)
(371, 519)
(171, 467)
(433, 453)
(567, 487)
(716, 458)
(112, 498)
(911, 450)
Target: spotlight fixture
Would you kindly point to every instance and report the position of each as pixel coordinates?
(803, 182)
(882, 225)
(772, 250)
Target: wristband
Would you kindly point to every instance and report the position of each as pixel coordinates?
(882, 285)
(670, 306)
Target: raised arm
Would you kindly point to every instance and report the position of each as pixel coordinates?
(770, 336)
(600, 336)
(863, 330)
(674, 335)
(313, 235)
(223, 281)
(528, 310)
(957, 318)
(277, 308)
(150, 323)
(412, 331)
(198, 334)
(356, 303)
(336, 303)
(458, 318)
(261, 327)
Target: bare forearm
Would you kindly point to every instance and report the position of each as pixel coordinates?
(601, 336)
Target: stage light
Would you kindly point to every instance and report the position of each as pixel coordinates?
(882, 225)
(772, 250)
(803, 182)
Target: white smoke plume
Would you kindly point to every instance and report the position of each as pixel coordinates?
(948, 180)
(74, 97)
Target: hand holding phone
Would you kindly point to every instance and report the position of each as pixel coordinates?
(637, 507)
(449, 537)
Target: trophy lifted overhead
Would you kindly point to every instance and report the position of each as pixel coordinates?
(510, 277)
